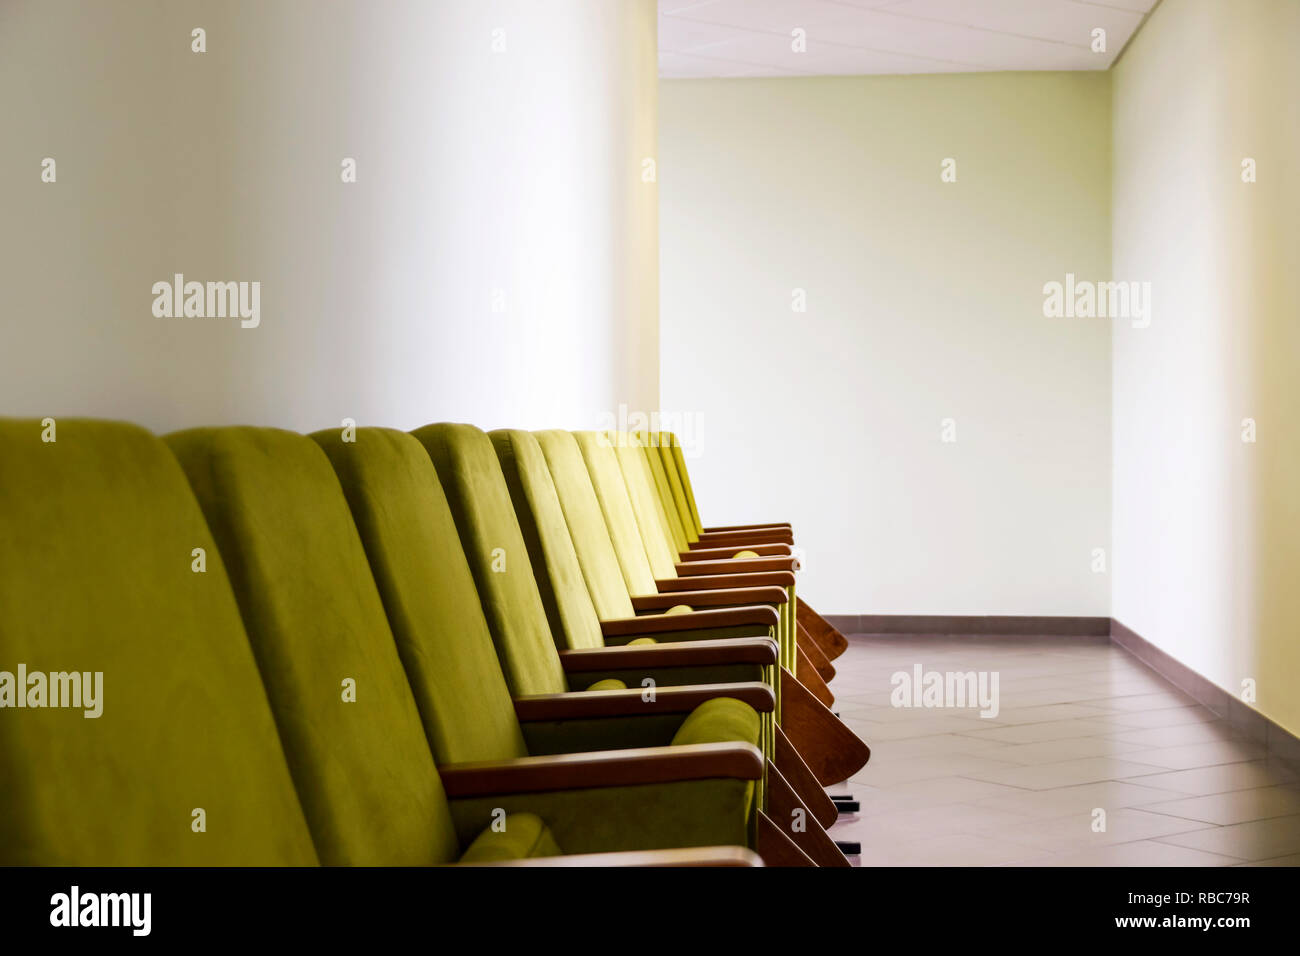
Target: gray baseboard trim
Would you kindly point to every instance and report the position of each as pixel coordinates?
(1279, 743)
(975, 625)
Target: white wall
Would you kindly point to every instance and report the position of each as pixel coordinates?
(1207, 527)
(477, 171)
(924, 302)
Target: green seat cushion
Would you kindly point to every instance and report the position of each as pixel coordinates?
(609, 683)
(363, 766)
(642, 640)
(720, 720)
(428, 591)
(523, 837)
(97, 537)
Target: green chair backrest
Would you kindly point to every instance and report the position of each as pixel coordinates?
(569, 607)
(351, 730)
(490, 534)
(428, 591)
(669, 442)
(101, 573)
(663, 492)
(586, 522)
(611, 491)
(662, 444)
(646, 506)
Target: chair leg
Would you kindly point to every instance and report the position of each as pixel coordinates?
(810, 793)
(776, 848)
(832, 642)
(831, 751)
(785, 809)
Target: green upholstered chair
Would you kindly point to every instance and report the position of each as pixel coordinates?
(703, 541)
(442, 634)
(355, 738)
(489, 530)
(659, 530)
(577, 569)
(685, 541)
(621, 479)
(613, 572)
(98, 554)
(674, 461)
(636, 528)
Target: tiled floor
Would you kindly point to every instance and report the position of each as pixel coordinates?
(1092, 760)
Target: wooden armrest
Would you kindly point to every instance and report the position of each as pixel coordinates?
(737, 564)
(601, 768)
(713, 597)
(716, 539)
(753, 579)
(731, 650)
(723, 554)
(584, 704)
(748, 527)
(693, 856)
(762, 615)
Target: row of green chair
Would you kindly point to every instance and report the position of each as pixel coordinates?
(396, 685)
(769, 545)
(597, 476)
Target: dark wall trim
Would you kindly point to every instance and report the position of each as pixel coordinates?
(978, 625)
(1279, 743)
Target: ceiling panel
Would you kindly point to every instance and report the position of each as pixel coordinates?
(734, 38)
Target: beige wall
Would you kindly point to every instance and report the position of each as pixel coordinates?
(477, 171)
(1206, 526)
(924, 303)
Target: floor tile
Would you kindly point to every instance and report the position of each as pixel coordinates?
(1078, 831)
(1140, 853)
(1221, 778)
(1191, 756)
(1177, 735)
(1233, 806)
(1077, 799)
(1257, 840)
(1066, 773)
(1048, 730)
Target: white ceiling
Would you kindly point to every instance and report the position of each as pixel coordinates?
(754, 37)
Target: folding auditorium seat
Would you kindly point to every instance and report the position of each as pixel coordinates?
(817, 629)
(599, 448)
(568, 541)
(830, 749)
(651, 493)
(569, 600)
(577, 623)
(184, 765)
(499, 557)
(97, 535)
(648, 577)
(443, 637)
(354, 736)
